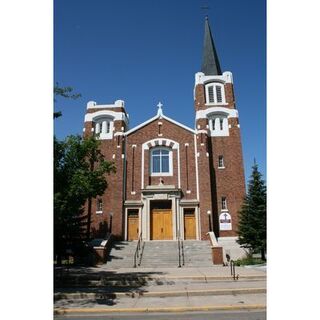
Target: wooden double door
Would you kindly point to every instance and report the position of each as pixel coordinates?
(161, 224)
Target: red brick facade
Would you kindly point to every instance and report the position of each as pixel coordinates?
(196, 181)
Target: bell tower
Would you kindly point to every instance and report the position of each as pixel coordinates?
(218, 144)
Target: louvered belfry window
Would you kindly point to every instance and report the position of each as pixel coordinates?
(219, 94)
(215, 93)
(211, 94)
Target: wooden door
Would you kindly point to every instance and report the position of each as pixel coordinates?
(133, 225)
(189, 225)
(167, 225)
(161, 224)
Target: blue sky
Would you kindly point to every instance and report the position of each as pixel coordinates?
(144, 52)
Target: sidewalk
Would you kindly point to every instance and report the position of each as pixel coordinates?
(185, 272)
(161, 289)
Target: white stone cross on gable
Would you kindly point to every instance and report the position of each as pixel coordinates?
(159, 105)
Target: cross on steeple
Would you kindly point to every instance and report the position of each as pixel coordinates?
(159, 105)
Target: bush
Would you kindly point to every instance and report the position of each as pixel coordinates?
(248, 261)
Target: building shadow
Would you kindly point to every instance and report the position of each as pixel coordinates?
(89, 286)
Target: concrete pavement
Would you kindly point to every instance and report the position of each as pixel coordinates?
(97, 290)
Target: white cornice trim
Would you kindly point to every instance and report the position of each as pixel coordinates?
(201, 78)
(106, 113)
(94, 105)
(141, 125)
(178, 124)
(202, 114)
(159, 117)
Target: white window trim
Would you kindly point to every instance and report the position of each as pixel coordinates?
(221, 167)
(217, 132)
(97, 206)
(226, 204)
(162, 174)
(214, 85)
(104, 136)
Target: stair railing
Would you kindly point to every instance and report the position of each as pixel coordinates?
(138, 252)
(180, 252)
(233, 270)
(182, 247)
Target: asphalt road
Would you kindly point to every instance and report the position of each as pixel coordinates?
(216, 315)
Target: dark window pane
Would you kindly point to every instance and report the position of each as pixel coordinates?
(155, 164)
(157, 151)
(219, 94)
(165, 164)
(164, 151)
(211, 96)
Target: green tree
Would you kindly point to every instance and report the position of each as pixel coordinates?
(252, 223)
(65, 92)
(79, 174)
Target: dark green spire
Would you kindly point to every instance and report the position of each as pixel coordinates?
(210, 61)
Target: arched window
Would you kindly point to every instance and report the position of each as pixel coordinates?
(161, 161)
(103, 128)
(215, 93)
(218, 123)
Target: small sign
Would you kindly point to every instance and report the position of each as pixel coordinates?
(225, 221)
(161, 196)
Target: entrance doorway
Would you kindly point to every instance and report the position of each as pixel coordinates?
(161, 220)
(189, 224)
(133, 224)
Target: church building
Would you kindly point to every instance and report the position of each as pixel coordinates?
(173, 182)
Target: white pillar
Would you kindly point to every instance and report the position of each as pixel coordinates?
(217, 124)
(97, 127)
(144, 213)
(225, 124)
(104, 127)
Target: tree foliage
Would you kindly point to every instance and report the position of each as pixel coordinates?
(252, 222)
(65, 92)
(79, 174)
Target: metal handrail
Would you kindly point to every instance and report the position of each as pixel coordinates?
(137, 252)
(182, 246)
(179, 255)
(180, 252)
(233, 270)
(141, 253)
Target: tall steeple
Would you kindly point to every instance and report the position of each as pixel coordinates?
(210, 61)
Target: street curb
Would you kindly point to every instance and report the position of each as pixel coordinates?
(60, 311)
(78, 279)
(133, 294)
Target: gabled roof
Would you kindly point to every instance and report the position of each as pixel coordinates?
(210, 61)
(159, 115)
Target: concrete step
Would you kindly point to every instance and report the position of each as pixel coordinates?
(121, 255)
(165, 253)
(103, 294)
(160, 254)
